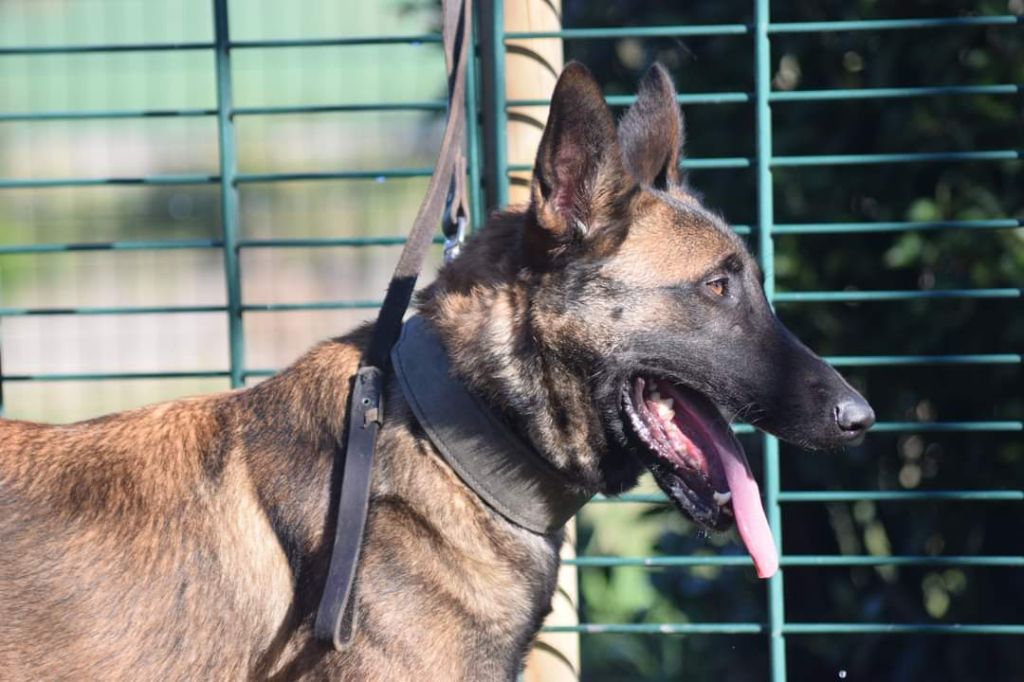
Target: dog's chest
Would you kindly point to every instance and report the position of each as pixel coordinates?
(445, 584)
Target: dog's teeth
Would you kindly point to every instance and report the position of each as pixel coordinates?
(722, 499)
(664, 409)
(654, 395)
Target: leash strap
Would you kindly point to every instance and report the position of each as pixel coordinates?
(335, 618)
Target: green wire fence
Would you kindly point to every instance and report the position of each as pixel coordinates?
(777, 628)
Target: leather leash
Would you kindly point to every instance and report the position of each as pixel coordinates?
(335, 618)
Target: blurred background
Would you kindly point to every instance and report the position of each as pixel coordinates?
(166, 82)
(40, 206)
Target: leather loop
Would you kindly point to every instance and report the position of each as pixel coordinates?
(365, 411)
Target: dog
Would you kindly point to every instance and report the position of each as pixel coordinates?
(608, 325)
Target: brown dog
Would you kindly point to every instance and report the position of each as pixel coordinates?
(188, 540)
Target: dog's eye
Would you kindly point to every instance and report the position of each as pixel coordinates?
(719, 286)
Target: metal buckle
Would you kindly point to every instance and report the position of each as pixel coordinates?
(453, 242)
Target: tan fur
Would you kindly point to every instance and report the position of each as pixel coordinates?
(666, 246)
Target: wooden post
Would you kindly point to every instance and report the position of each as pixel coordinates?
(556, 655)
(532, 68)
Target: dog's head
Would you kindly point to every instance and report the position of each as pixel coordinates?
(617, 318)
(662, 304)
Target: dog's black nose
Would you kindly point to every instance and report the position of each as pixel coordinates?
(854, 416)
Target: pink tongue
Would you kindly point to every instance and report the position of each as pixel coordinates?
(750, 518)
(746, 498)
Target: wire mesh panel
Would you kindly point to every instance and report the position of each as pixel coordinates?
(764, 96)
(234, 181)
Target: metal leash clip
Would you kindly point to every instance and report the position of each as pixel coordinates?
(455, 224)
(453, 242)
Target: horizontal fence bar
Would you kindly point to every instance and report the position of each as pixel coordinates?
(923, 360)
(124, 47)
(839, 94)
(950, 426)
(658, 561)
(566, 34)
(175, 309)
(896, 226)
(842, 159)
(315, 242)
(422, 105)
(903, 560)
(103, 114)
(660, 628)
(168, 245)
(627, 100)
(793, 560)
(118, 376)
(154, 245)
(199, 179)
(900, 629)
(418, 39)
(910, 157)
(672, 31)
(41, 183)
(902, 495)
(789, 628)
(690, 164)
(820, 496)
(382, 174)
(832, 94)
(774, 28)
(865, 296)
(892, 24)
(112, 310)
(846, 94)
(316, 305)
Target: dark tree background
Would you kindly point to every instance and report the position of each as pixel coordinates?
(936, 259)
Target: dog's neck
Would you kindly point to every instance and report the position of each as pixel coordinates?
(482, 449)
(498, 346)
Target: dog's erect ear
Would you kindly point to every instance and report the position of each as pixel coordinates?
(579, 180)
(651, 132)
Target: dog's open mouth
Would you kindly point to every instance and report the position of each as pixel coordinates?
(698, 462)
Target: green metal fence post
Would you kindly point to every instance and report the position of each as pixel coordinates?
(766, 248)
(498, 104)
(476, 199)
(229, 190)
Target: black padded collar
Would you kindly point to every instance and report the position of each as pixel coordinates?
(500, 468)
